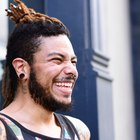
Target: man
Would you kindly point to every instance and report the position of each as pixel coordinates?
(39, 77)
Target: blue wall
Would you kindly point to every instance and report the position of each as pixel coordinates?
(135, 36)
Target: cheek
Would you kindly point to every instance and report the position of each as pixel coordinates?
(48, 74)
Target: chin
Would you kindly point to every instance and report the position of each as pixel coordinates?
(66, 101)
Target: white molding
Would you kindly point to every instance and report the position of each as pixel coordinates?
(4, 28)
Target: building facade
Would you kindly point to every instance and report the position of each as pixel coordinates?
(105, 36)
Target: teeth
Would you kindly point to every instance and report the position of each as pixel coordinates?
(64, 84)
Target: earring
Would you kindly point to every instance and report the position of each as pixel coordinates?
(21, 76)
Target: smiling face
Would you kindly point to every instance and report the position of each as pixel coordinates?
(53, 73)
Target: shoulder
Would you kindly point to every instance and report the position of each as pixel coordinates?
(81, 127)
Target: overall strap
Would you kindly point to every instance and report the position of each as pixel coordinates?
(9, 133)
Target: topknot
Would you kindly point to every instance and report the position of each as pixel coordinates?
(22, 14)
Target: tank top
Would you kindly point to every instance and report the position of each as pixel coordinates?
(15, 131)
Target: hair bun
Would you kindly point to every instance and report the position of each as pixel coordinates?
(22, 14)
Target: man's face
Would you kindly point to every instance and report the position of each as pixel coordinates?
(53, 73)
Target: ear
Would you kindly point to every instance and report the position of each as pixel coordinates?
(21, 66)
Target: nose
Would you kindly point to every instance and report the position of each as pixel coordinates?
(70, 69)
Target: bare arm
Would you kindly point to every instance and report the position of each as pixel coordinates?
(82, 129)
(84, 134)
(2, 132)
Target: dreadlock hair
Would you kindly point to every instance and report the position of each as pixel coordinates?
(24, 41)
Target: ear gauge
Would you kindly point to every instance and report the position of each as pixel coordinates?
(21, 76)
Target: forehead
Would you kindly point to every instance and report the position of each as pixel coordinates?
(58, 44)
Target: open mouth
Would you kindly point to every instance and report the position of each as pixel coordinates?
(64, 87)
(65, 84)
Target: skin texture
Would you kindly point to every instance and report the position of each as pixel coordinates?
(54, 66)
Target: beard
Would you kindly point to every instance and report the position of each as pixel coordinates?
(42, 96)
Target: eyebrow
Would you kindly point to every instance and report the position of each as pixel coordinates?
(59, 54)
(55, 53)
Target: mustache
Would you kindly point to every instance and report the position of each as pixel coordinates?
(67, 78)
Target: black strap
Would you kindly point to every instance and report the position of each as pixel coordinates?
(68, 124)
(9, 133)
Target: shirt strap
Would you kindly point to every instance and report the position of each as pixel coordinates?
(68, 126)
(9, 133)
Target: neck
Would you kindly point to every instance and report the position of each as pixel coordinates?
(33, 116)
(26, 105)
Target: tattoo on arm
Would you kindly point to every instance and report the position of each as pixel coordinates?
(82, 129)
(84, 134)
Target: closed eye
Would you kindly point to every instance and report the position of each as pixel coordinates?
(57, 60)
(74, 62)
